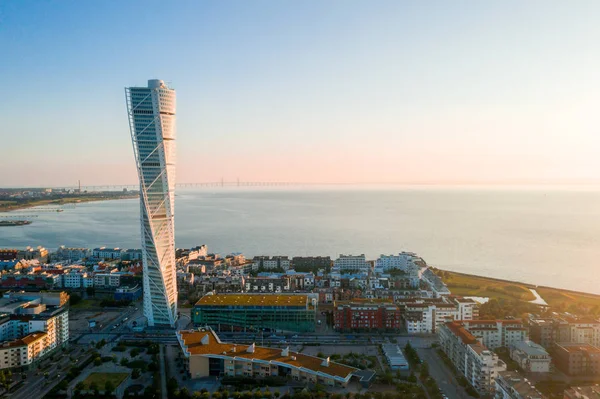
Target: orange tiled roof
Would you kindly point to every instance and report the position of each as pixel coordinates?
(192, 340)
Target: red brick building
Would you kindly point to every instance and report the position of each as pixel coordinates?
(365, 316)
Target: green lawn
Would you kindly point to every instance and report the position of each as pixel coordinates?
(466, 285)
(101, 378)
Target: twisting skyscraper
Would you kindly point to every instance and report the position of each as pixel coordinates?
(151, 112)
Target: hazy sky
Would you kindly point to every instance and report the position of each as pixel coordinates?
(324, 91)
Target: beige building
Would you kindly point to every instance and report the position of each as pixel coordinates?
(23, 351)
(208, 356)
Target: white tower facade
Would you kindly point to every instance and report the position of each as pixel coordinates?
(151, 112)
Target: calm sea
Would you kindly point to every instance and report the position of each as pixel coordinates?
(543, 236)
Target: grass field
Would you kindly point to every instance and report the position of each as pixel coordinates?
(579, 303)
(467, 285)
(101, 378)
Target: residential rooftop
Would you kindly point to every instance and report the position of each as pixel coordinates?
(513, 382)
(576, 347)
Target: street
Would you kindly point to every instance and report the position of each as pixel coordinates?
(441, 374)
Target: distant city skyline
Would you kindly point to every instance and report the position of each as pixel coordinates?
(317, 92)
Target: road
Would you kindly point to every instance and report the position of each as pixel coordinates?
(442, 374)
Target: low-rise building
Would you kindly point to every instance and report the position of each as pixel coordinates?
(512, 385)
(366, 316)
(475, 361)
(577, 359)
(394, 356)
(531, 357)
(209, 357)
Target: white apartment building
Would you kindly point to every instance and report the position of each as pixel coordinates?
(269, 264)
(512, 385)
(435, 283)
(477, 363)
(72, 254)
(467, 308)
(107, 253)
(496, 333)
(530, 356)
(403, 261)
(72, 280)
(107, 280)
(352, 264)
(427, 318)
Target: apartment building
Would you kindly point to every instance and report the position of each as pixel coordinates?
(577, 359)
(72, 254)
(435, 284)
(108, 253)
(475, 361)
(496, 333)
(107, 280)
(548, 331)
(24, 351)
(29, 253)
(530, 356)
(366, 316)
(352, 264)
(512, 385)
(427, 317)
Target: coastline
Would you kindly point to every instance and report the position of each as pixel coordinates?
(62, 201)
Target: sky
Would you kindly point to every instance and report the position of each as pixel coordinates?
(305, 91)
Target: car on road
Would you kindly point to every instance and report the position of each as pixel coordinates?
(294, 336)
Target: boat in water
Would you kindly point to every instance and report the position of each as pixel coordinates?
(14, 222)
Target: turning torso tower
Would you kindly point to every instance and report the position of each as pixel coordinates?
(151, 112)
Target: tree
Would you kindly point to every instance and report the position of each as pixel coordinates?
(124, 362)
(135, 374)
(134, 352)
(109, 387)
(94, 387)
(80, 386)
(424, 371)
(97, 361)
(91, 291)
(74, 299)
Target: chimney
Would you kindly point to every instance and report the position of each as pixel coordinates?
(325, 362)
(285, 352)
(251, 348)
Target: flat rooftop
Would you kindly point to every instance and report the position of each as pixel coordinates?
(207, 343)
(253, 300)
(575, 347)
